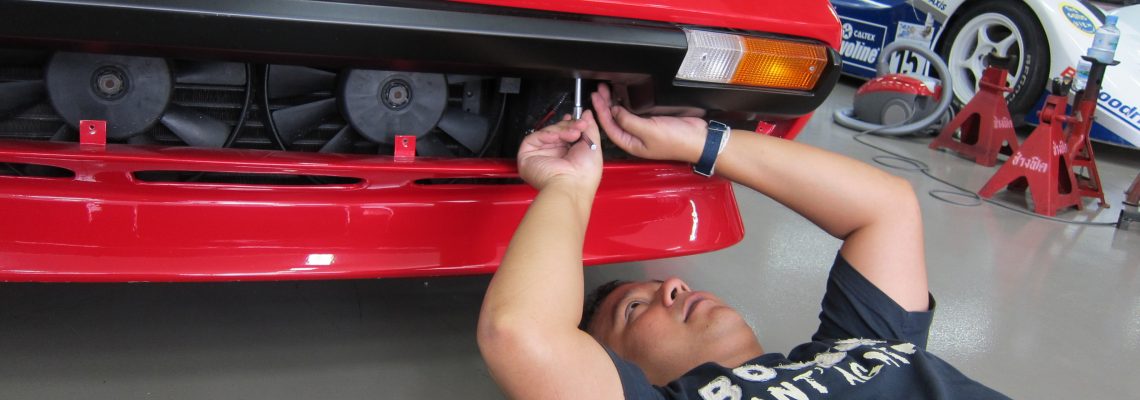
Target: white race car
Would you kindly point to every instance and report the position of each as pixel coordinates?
(1047, 37)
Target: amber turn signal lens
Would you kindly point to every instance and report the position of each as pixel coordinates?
(780, 64)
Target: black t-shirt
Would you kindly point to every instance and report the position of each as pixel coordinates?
(867, 347)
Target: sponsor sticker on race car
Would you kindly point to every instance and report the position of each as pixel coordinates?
(907, 62)
(1078, 18)
(862, 42)
(1128, 113)
(915, 32)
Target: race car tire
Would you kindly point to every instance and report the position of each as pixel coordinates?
(1009, 26)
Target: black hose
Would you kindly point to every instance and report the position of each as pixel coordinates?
(263, 83)
(244, 107)
(495, 129)
(232, 137)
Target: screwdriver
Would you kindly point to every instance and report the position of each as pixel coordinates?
(578, 110)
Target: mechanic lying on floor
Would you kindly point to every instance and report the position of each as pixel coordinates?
(664, 340)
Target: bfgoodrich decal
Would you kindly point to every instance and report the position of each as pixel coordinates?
(1127, 112)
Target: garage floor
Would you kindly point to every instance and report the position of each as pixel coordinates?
(1033, 308)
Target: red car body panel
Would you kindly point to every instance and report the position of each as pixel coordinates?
(808, 19)
(106, 225)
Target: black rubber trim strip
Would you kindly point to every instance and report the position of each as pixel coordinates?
(307, 32)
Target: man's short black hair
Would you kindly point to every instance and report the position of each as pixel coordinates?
(595, 299)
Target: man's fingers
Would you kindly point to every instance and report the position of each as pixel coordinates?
(605, 116)
(630, 122)
(569, 136)
(544, 138)
(590, 126)
(604, 90)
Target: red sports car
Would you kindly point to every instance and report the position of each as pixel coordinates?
(290, 139)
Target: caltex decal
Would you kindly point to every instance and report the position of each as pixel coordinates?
(862, 42)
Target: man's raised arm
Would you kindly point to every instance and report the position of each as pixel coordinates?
(876, 214)
(528, 327)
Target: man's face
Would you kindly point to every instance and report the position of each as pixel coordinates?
(667, 329)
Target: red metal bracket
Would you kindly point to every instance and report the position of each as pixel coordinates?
(405, 147)
(765, 128)
(93, 132)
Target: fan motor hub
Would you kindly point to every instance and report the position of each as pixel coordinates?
(396, 94)
(110, 82)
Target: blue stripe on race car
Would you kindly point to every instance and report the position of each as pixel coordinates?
(1113, 112)
(1099, 132)
(1107, 135)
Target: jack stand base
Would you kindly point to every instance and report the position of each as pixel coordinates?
(1126, 218)
(1132, 195)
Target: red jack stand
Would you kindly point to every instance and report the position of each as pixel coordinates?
(1081, 152)
(984, 122)
(1132, 195)
(1043, 162)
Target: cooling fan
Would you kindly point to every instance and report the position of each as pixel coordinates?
(131, 93)
(444, 112)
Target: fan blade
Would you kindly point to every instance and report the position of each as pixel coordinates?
(210, 73)
(432, 146)
(293, 122)
(15, 96)
(469, 129)
(195, 128)
(65, 134)
(288, 81)
(342, 142)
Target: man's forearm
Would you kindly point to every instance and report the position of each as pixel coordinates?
(835, 192)
(539, 283)
(875, 213)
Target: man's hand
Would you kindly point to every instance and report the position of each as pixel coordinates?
(655, 138)
(555, 154)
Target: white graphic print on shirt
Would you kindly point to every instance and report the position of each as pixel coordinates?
(799, 387)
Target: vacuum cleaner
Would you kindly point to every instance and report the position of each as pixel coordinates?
(900, 104)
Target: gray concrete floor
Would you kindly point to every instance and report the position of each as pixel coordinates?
(1033, 308)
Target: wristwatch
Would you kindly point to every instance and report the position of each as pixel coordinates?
(717, 132)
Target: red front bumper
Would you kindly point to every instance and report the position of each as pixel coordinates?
(105, 225)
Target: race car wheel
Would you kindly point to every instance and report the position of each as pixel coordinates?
(1005, 27)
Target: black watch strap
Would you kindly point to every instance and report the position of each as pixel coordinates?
(707, 162)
